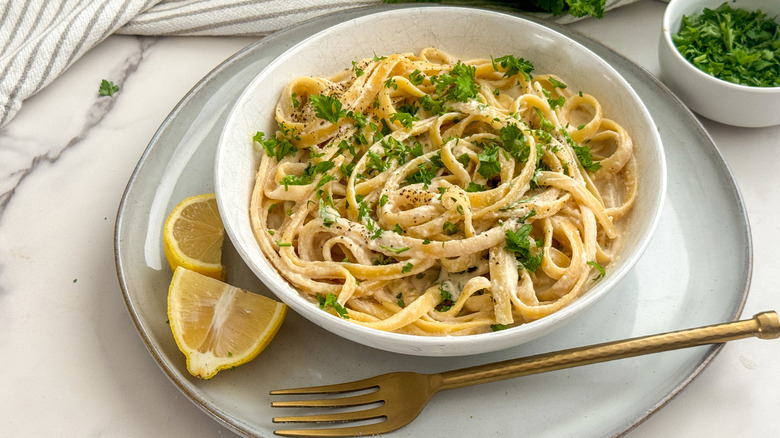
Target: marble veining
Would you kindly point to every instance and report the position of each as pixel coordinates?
(20, 156)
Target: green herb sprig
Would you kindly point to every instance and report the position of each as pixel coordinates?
(575, 8)
(107, 88)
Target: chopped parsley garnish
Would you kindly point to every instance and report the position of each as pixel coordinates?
(576, 8)
(488, 162)
(424, 175)
(513, 66)
(376, 162)
(364, 216)
(582, 152)
(390, 83)
(331, 300)
(382, 260)
(586, 158)
(360, 119)
(519, 243)
(459, 84)
(446, 300)
(308, 175)
(557, 102)
(556, 83)
(416, 77)
(407, 268)
(464, 159)
(358, 71)
(399, 299)
(514, 141)
(346, 169)
(474, 187)
(405, 119)
(395, 250)
(327, 107)
(449, 228)
(498, 327)
(345, 146)
(417, 149)
(327, 213)
(732, 44)
(426, 171)
(431, 105)
(107, 88)
(274, 147)
(599, 268)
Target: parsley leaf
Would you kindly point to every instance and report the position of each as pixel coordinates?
(488, 162)
(599, 268)
(513, 66)
(425, 171)
(395, 250)
(586, 158)
(474, 187)
(405, 119)
(308, 174)
(330, 300)
(514, 141)
(449, 228)
(107, 88)
(576, 8)
(519, 243)
(446, 300)
(416, 77)
(327, 107)
(459, 84)
(275, 147)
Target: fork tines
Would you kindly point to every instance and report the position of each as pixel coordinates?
(368, 398)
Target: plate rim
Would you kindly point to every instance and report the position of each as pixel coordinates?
(270, 40)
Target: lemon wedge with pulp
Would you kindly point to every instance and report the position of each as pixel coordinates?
(193, 236)
(218, 326)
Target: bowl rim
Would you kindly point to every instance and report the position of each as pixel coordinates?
(440, 346)
(672, 19)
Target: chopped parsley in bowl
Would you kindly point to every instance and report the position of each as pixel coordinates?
(723, 59)
(732, 44)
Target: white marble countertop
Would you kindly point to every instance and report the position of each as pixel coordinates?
(74, 363)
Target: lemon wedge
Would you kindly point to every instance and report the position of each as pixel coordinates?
(218, 326)
(193, 236)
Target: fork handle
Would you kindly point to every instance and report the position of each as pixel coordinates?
(765, 325)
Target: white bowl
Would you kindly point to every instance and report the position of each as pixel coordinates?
(713, 98)
(468, 33)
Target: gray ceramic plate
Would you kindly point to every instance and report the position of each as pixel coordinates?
(677, 284)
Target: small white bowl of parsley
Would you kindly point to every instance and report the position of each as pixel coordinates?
(723, 59)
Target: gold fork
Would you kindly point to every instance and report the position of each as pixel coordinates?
(395, 399)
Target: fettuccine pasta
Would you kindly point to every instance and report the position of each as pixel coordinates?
(420, 194)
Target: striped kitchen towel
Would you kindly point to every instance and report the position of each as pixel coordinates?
(39, 39)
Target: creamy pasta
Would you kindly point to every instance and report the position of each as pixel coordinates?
(421, 194)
